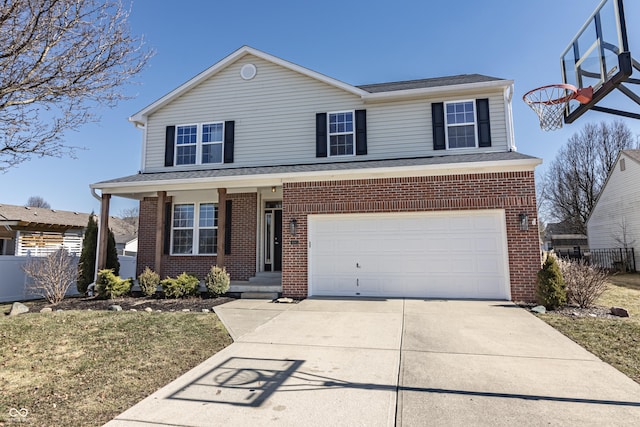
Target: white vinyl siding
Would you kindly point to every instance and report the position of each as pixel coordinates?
(617, 205)
(274, 116)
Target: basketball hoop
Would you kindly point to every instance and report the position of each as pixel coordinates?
(549, 102)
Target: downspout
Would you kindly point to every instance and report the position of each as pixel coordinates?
(95, 271)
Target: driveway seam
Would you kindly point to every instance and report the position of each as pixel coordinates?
(398, 409)
(505, 355)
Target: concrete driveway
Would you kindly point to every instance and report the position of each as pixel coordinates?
(391, 362)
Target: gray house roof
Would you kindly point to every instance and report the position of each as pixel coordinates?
(41, 219)
(634, 154)
(318, 167)
(428, 83)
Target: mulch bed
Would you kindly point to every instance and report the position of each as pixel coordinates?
(128, 303)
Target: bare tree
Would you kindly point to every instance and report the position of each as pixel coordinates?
(52, 275)
(575, 177)
(37, 202)
(624, 235)
(59, 59)
(130, 216)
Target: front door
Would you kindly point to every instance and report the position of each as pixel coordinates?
(273, 236)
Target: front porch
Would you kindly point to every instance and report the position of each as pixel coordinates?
(264, 285)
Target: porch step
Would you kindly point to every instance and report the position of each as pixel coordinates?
(267, 278)
(259, 295)
(239, 287)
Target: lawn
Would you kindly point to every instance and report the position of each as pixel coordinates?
(86, 367)
(617, 340)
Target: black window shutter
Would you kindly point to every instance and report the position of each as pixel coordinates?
(321, 135)
(229, 136)
(361, 132)
(484, 128)
(227, 228)
(437, 119)
(167, 228)
(169, 141)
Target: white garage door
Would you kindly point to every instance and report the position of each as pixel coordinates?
(423, 255)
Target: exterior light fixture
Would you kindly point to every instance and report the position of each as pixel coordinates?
(273, 189)
(524, 221)
(293, 226)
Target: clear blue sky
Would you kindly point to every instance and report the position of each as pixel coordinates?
(358, 42)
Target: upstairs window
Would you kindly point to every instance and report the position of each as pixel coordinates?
(461, 124)
(341, 133)
(199, 144)
(212, 139)
(186, 144)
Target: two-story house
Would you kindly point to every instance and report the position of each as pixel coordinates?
(409, 188)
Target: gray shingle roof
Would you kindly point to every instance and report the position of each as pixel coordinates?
(318, 167)
(59, 219)
(427, 83)
(634, 154)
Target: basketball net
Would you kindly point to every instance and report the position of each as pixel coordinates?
(550, 103)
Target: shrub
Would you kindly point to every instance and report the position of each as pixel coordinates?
(584, 283)
(550, 288)
(148, 281)
(183, 285)
(217, 281)
(52, 276)
(111, 286)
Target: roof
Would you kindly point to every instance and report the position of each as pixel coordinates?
(634, 154)
(43, 219)
(366, 92)
(561, 228)
(428, 83)
(318, 167)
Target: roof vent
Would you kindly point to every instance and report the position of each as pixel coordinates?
(248, 71)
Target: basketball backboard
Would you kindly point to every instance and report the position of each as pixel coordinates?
(599, 57)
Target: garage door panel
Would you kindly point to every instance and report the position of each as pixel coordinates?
(439, 255)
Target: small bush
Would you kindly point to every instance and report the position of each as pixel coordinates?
(217, 281)
(148, 281)
(550, 288)
(110, 286)
(182, 286)
(584, 283)
(52, 276)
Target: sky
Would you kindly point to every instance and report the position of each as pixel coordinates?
(357, 42)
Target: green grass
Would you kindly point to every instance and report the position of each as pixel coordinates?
(86, 367)
(615, 341)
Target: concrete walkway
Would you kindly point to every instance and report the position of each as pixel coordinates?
(379, 362)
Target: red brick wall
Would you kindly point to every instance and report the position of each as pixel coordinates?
(512, 191)
(241, 263)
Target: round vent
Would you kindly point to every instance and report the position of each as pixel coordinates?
(248, 71)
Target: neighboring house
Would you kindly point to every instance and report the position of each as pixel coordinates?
(397, 189)
(615, 219)
(564, 240)
(30, 231)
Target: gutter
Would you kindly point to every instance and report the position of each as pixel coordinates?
(366, 173)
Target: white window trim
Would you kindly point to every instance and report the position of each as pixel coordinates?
(329, 134)
(196, 228)
(475, 123)
(199, 143)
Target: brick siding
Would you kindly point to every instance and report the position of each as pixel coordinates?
(512, 191)
(240, 263)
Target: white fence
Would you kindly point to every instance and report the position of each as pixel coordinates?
(14, 283)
